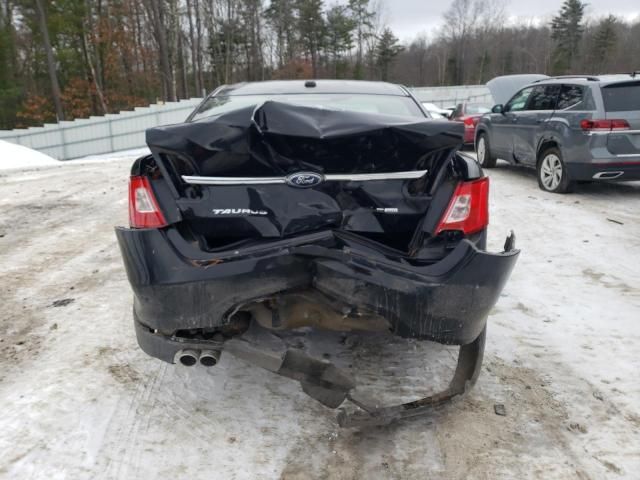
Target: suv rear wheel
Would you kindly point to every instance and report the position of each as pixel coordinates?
(552, 172)
(485, 158)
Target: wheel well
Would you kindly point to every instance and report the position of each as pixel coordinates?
(545, 145)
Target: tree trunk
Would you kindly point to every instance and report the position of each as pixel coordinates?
(88, 27)
(194, 50)
(183, 66)
(51, 63)
(227, 59)
(156, 10)
(314, 63)
(92, 74)
(196, 6)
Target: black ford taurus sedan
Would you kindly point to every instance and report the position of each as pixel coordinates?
(289, 205)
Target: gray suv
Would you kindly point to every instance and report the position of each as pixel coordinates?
(573, 128)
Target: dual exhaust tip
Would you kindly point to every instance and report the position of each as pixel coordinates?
(189, 357)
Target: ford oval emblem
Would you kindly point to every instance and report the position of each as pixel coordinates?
(304, 179)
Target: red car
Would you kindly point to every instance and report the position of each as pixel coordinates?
(469, 113)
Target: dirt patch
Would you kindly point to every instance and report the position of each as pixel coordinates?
(633, 419)
(468, 439)
(17, 337)
(612, 467)
(124, 373)
(486, 437)
(608, 281)
(63, 302)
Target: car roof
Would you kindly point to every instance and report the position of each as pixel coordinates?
(275, 87)
(590, 79)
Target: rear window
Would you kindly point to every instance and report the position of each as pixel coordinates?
(570, 95)
(622, 97)
(477, 108)
(543, 97)
(384, 104)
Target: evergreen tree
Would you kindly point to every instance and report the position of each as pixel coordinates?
(388, 48)
(339, 34)
(363, 21)
(566, 31)
(10, 91)
(604, 42)
(280, 17)
(312, 29)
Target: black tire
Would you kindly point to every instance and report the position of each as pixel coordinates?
(488, 159)
(552, 173)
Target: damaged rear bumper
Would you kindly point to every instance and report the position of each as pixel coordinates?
(178, 287)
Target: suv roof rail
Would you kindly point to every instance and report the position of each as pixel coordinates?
(589, 78)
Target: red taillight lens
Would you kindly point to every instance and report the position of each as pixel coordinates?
(143, 207)
(604, 125)
(468, 210)
(470, 122)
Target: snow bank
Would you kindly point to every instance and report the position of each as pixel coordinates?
(17, 156)
(114, 156)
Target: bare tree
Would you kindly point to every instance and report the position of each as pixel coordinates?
(157, 13)
(51, 63)
(194, 41)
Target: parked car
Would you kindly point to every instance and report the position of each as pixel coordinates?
(572, 128)
(328, 204)
(469, 114)
(436, 111)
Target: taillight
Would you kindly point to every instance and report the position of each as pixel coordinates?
(143, 207)
(468, 210)
(604, 125)
(470, 122)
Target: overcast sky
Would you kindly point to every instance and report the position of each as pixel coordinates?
(409, 18)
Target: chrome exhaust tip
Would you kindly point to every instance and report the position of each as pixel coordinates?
(209, 358)
(187, 357)
(607, 175)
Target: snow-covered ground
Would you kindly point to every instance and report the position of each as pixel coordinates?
(113, 157)
(14, 156)
(81, 401)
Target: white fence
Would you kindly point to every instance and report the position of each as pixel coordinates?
(448, 96)
(125, 130)
(96, 135)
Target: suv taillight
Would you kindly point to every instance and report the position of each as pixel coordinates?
(589, 125)
(143, 207)
(468, 210)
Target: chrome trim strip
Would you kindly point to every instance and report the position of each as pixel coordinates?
(359, 177)
(354, 177)
(611, 132)
(232, 180)
(628, 155)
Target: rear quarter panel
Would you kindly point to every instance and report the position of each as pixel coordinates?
(564, 130)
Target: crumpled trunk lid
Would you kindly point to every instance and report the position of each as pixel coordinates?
(278, 170)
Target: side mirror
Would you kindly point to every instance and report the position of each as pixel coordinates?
(498, 108)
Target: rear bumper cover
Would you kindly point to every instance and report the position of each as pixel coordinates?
(447, 301)
(616, 169)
